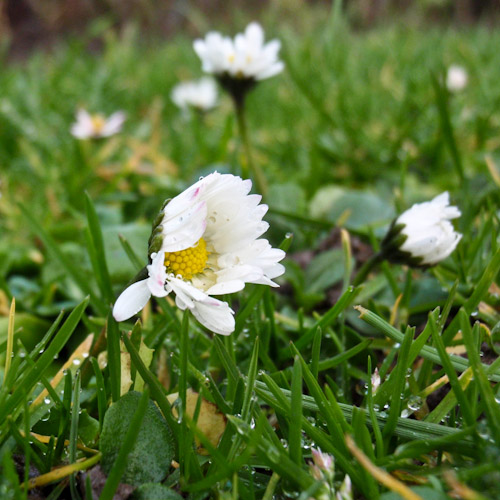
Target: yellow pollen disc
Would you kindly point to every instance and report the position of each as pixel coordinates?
(187, 262)
(98, 122)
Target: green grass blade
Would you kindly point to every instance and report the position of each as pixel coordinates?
(28, 381)
(295, 427)
(491, 407)
(114, 359)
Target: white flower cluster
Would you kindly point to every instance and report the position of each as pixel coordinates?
(207, 242)
(245, 57)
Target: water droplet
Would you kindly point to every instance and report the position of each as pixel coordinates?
(76, 362)
(415, 403)
(47, 401)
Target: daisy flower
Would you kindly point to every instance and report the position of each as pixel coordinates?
(423, 235)
(239, 63)
(206, 242)
(200, 94)
(96, 126)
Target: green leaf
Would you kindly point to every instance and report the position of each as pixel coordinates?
(136, 439)
(155, 491)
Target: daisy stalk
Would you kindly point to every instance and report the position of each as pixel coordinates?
(239, 64)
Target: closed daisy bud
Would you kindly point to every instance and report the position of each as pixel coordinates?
(96, 126)
(206, 242)
(239, 63)
(423, 235)
(200, 94)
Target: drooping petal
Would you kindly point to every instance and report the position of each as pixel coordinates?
(131, 300)
(215, 315)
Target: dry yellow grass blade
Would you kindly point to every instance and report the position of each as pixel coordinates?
(379, 474)
(46, 439)
(62, 472)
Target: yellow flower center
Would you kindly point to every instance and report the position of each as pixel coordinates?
(98, 122)
(187, 262)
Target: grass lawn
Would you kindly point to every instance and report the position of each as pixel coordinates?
(394, 375)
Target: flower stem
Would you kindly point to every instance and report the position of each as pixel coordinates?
(249, 168)
(367, 267)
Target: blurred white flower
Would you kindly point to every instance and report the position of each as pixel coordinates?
(323, 461)
(456, 78)
(245, 57)
(95, 126)
(200, 94)
(206, 241)
(423, 235)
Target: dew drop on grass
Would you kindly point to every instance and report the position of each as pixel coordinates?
(47, 401)
(415, 403)
(76, 362)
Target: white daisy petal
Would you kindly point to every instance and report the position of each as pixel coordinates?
(113, 124)
(201, 94)
(131, 300)
(157, 275)
(215, 315)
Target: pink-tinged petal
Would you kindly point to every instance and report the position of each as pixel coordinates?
(185, 228)
(131, 300)
(157, 275)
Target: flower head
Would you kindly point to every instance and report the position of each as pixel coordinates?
(456, 78)
(89, 126)
(205, 242)
(200, 94)
(239, 63)
(423, 235)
